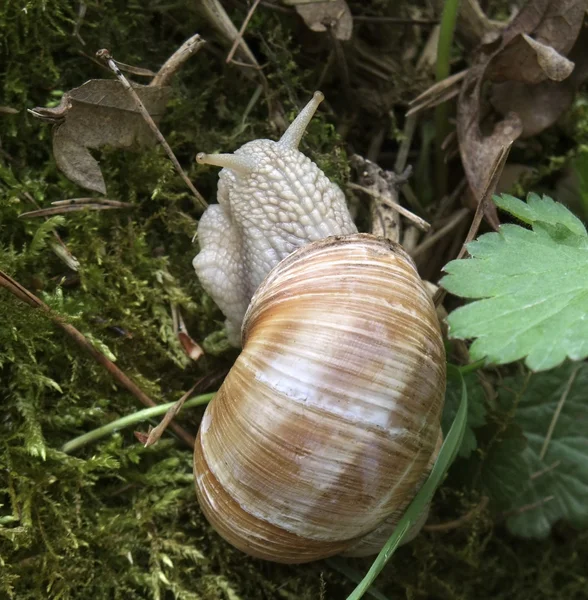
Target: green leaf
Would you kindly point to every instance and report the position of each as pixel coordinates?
(447, 454)
(546, 480)
(476, 410)
(531, 288)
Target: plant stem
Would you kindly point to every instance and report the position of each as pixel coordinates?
(465, 369)
(127, 421)
(448, 20)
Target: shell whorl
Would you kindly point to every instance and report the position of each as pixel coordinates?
(327, 422)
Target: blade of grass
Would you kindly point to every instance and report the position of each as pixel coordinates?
(447, 454)
(128, 420)
(442, 68)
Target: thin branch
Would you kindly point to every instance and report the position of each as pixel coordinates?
(23, 294)
(239, 37)
(176, 60)
(420, 223)
(455, 220)
(456, 523)
(557, 412)
(156, 433)
(107, 58)
(395, 20)
(60, 207)
(485, 200)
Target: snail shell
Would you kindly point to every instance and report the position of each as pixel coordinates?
(328, 422)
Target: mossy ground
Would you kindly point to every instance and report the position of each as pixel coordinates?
(117, 520)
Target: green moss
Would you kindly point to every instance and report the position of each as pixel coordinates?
(117, 520)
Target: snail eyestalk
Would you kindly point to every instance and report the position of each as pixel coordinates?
(239, 164)
(294, 133)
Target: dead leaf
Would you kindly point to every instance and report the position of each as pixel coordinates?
(540, 106)
(479, 151)
(554, 25)
(100, 113)
(191, 348)
(321, 16)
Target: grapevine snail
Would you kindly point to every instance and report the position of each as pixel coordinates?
(329, 421)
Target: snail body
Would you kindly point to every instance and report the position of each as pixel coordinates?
(328, 422)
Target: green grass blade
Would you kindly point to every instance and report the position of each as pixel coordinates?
(447, 454)
(128, 420)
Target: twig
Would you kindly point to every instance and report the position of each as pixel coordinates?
(456, 523)
(407, 135)
(107, 58)
(455, 220)
(158, 431)
(23, 294)
(480, 210)
(395, 20)
(548, 469)
(177, 59)
(420, 223)
(76, 204)
(527, 507)
(239, 37)
(140, 71)
(106, 201)
(557, 412)
(128, 421)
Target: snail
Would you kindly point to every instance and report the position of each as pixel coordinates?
(329, 420)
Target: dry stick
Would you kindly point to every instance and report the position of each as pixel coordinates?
(23, 294)
(63, 209)
(158, 431)
(408, 133)
(105, 201)
(107, 58)
(177, 59)
(480, 211)
(455, 220)
(241, 32)
(456, 523)
(527, 507)
(420, 223)
(557, 412)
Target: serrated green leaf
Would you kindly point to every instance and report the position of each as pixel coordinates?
(542, 210)
(546, 480)
(531, 288)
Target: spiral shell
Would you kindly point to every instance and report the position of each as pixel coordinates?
(327, 423)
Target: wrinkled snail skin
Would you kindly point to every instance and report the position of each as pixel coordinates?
(272, 199)
(329, 419)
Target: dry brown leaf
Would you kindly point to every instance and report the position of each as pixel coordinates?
(99, 113)
(330, 14)
(478, 151)
(554, 25)
(540, 106)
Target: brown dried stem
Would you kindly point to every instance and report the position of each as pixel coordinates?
(176, 60)
(456, 523)
(239, 37)
(105, 56)
(23, 294)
